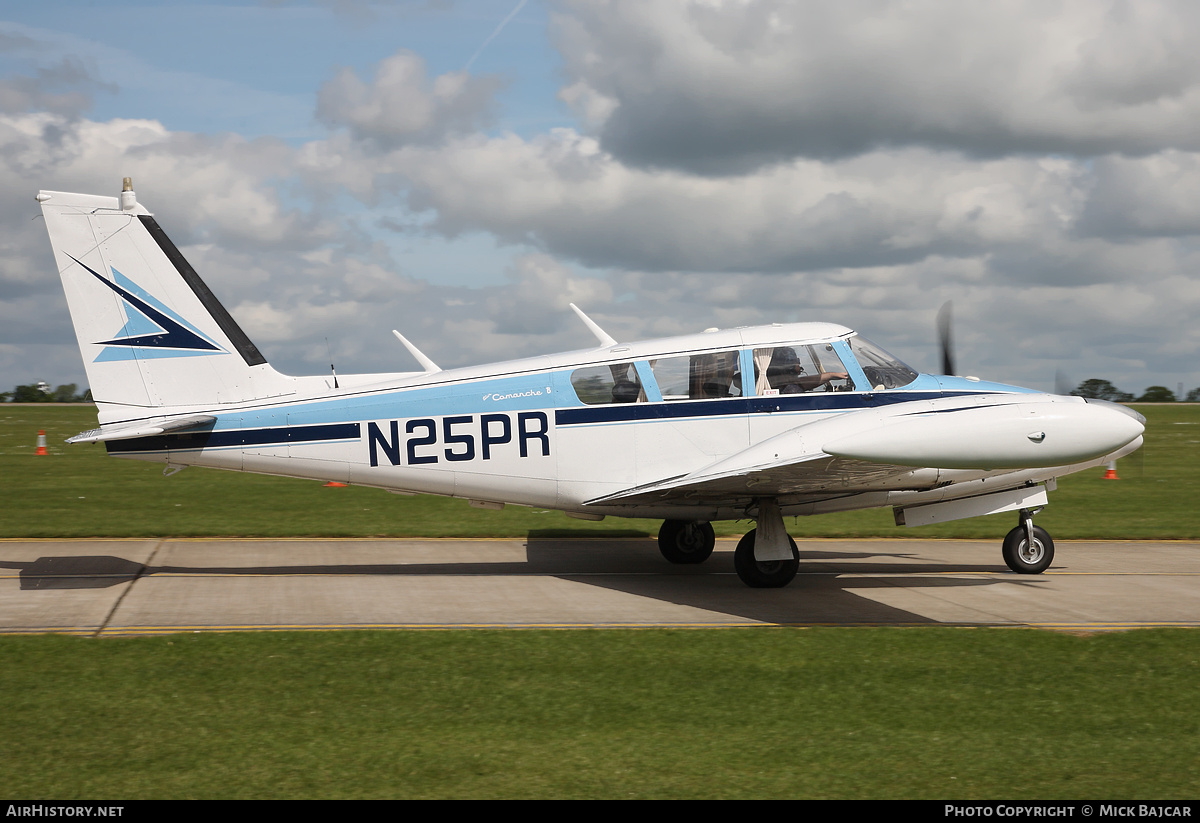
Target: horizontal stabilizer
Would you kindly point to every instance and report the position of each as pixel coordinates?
(142, 429)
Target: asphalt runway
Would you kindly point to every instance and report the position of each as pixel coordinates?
(145, 587)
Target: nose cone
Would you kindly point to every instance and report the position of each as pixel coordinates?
(1109, 426)
(1117, 407)
(1037, 432)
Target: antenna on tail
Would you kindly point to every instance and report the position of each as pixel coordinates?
(328, 349)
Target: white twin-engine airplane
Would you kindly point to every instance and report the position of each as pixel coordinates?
(752, 423)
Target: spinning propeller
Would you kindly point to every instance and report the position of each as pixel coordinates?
(1062, 384)
(944, 337)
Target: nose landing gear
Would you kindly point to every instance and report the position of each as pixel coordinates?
(1028, 549)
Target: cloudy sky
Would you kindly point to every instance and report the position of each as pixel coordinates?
(461, 170)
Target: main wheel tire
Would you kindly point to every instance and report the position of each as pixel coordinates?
(686, 541)
(1025, 559)
(772, 574)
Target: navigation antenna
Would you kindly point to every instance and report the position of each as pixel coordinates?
(331, 368)
(428, 365)
(605, 341)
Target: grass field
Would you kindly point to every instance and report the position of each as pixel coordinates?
(812, 713)
(80, 492)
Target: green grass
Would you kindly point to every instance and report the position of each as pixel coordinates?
(80, 492)
(813, 713)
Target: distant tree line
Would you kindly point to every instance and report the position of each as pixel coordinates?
(1104, 390)
(42, 393)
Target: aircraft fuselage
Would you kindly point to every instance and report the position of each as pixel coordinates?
(520, 433)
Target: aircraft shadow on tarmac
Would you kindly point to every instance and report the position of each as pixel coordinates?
(828, 589)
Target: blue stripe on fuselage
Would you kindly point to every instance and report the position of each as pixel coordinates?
(192, 441)
(527, 392)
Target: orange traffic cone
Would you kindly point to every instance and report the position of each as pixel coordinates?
(1111, 474)
(333, 484)
(41, 447)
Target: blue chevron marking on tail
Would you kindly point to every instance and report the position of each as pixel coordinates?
(151, 329)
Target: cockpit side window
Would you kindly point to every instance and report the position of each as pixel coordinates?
(712, 375)
(611, 383)
(799, 368)
(882, 369)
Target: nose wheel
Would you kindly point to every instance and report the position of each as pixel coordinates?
(1028, 549)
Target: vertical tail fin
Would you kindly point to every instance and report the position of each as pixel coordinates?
(151, 333)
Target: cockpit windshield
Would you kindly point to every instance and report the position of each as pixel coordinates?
(883, 371)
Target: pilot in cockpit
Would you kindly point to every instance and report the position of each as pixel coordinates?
(787, 373)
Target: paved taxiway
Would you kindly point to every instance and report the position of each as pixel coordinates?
(131, 587)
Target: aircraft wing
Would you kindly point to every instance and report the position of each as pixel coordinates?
(900, 447)
(794, 463)
(818, 475)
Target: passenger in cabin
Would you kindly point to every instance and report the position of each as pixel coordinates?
(613, 383)
(627, 391)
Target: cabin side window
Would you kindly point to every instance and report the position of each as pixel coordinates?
(712, 375)
(611, 383)
(799, 369)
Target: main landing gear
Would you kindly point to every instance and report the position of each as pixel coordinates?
(764, 574)
(766, 557)
(686, 541)
(1028, 549)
